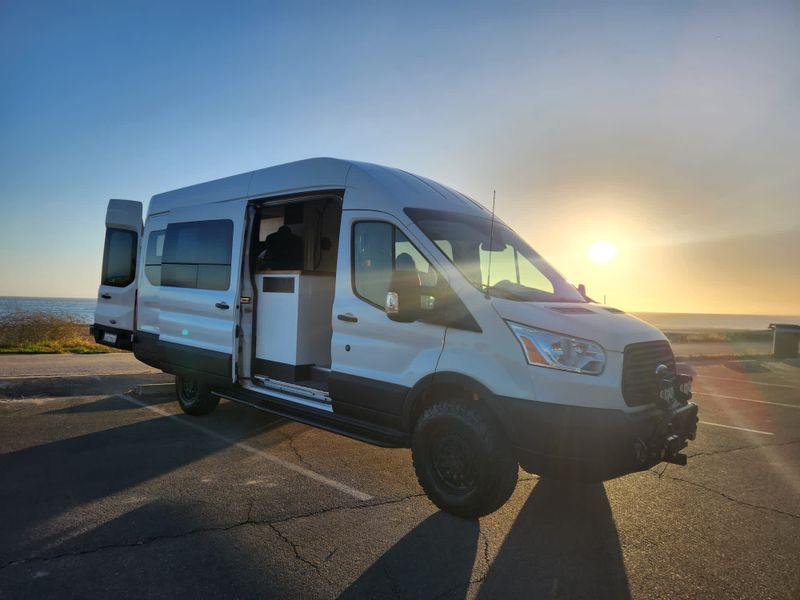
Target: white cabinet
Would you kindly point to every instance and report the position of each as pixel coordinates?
(293, 321)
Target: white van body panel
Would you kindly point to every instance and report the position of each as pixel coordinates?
(612, 330)
(124, 214)
(115, 305)
(369, 187)
(375, 347)
(305, 175)
(148, 307)
(219, 190)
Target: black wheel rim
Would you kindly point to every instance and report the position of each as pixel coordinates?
(454, 463)
(188, 390)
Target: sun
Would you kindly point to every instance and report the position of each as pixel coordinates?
(602, 252)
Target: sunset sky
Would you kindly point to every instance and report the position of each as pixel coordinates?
(668, 129)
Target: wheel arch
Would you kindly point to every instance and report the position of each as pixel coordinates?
(450, 384)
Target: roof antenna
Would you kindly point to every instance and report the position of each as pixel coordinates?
(491, 248)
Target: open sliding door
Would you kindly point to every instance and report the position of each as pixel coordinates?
(199, 294)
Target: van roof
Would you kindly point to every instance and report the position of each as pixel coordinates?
(370, 187)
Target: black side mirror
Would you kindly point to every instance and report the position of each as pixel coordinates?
(403, 301)
(582, 292)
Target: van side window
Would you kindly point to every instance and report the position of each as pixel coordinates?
(119, 257)
(379, 249)
(197, 255)
(153, 254)
(372, 261)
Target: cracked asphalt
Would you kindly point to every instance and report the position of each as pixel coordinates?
(103, 494)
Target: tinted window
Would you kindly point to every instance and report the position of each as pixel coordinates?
(379, 249)
(198, 255)
(153, 255)
(372, 261)
(119, 257)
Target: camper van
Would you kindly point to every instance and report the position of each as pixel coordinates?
(381, 305)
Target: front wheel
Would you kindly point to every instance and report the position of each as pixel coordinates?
(194, 397)
(462, 459)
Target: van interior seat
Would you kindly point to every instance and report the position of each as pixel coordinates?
(405, 262)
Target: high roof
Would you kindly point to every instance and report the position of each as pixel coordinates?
(369, 186)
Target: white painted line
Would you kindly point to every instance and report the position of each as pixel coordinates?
(747, 381)
(745, 399)
(738, 428)
(346, 489)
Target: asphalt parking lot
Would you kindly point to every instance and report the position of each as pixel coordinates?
(108, 494)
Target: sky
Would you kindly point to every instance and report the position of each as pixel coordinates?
(669, 129)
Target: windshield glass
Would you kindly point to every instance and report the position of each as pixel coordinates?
(508, 268)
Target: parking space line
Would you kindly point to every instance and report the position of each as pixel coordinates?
(738, 428)
(337, 485)
(747, 381)
(694, 393)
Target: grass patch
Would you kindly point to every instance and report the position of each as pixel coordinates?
(44, 333)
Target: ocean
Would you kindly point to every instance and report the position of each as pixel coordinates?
(83, 309)
(692, 321)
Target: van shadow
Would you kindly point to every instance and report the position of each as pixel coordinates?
(45, 481)
(434, 559)
(187, 558)
(110, 403)
(563, 544)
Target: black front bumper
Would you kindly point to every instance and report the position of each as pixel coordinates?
(573, 442)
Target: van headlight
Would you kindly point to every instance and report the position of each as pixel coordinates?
(559, 351)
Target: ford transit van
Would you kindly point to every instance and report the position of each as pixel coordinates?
(384, 306)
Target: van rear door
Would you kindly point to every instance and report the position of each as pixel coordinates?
(116, 296)
(199, 295)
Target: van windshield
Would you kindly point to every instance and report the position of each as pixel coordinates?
(517, 272)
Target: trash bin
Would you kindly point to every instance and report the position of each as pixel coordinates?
(785, 340)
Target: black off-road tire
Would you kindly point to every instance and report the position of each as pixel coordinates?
(194, 396)
(463, 459)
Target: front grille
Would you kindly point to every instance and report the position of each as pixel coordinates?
(639, 382)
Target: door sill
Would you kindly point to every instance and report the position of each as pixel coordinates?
(291, 392)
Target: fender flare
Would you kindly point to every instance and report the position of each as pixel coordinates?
(416, 393)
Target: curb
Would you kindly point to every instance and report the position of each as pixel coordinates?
(154, 389)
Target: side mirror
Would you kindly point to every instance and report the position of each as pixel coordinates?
(582, 292)
(404, 299)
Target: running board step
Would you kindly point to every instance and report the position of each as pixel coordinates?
(322, 419)
(294, 389)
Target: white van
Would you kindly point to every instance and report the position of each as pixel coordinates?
(384, 306)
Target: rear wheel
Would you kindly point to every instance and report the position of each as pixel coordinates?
(194, 397)
(462, 459)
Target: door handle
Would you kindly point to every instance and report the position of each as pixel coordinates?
(106, 296)
(222, 305)
(348, 318)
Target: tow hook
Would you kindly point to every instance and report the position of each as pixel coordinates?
(673, 447)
